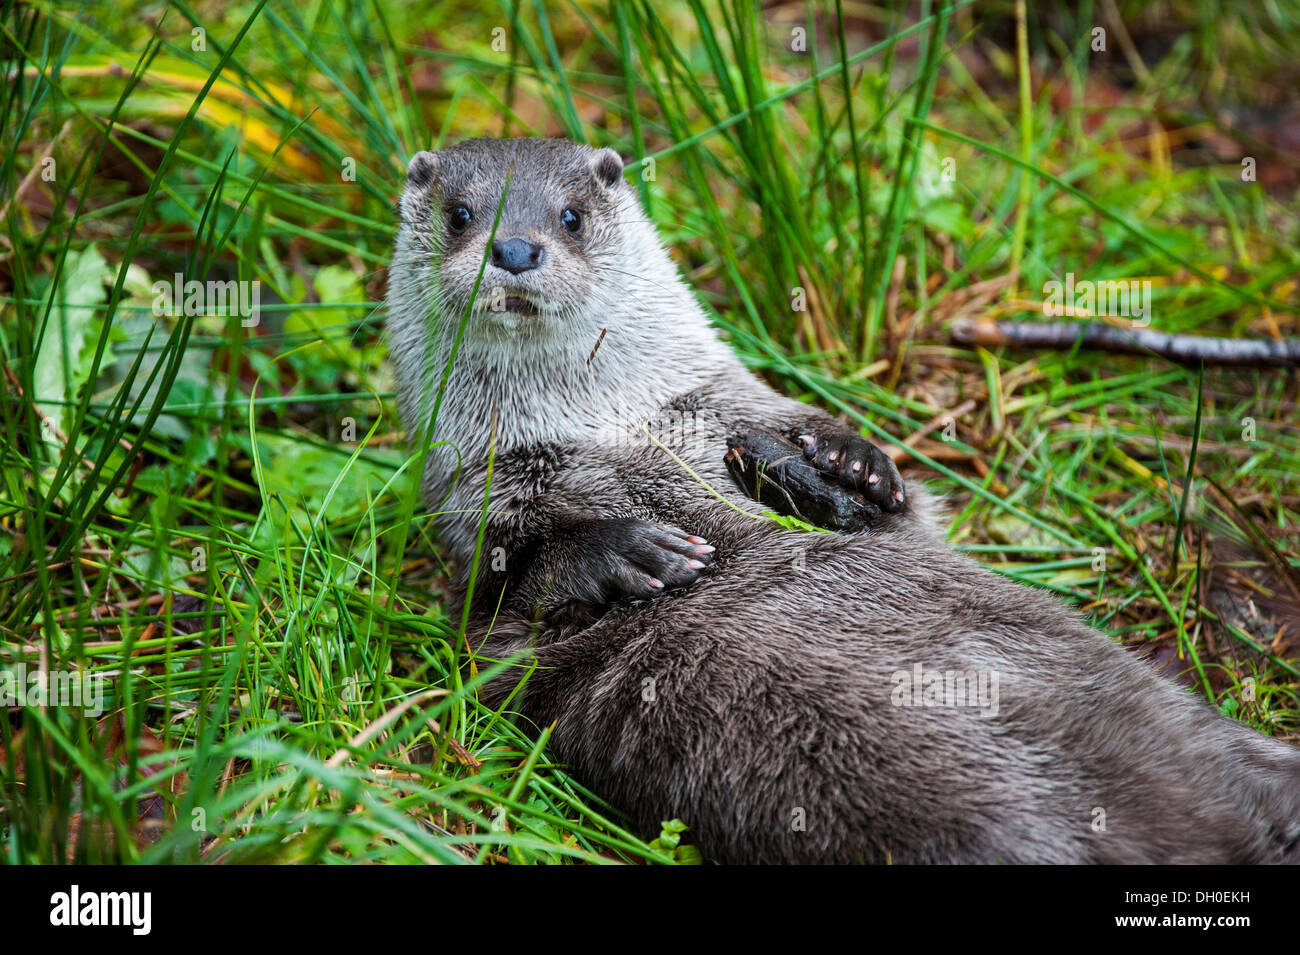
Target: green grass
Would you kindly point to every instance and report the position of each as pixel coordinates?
(221, 521)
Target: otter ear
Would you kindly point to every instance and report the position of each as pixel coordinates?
(608, 167)
(420, 176)
(422, 170)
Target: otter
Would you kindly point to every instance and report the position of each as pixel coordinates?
(864, 694)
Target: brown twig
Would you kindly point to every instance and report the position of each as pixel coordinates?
(1184, 349)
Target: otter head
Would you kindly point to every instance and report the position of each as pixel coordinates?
(558, 233)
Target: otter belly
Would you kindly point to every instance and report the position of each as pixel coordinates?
(855, 698)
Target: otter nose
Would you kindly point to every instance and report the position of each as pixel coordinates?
(516, 255)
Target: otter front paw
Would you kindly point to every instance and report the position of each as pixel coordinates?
(858, 464)
(775, 472)
(628, 557)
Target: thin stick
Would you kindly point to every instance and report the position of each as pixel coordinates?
(1184, 349)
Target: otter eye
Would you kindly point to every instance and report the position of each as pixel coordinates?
(458, 218)
(571, 219)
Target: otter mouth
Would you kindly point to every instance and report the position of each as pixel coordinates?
(522, 306)
(512, 302)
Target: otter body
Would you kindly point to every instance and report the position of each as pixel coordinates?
(773, 688)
